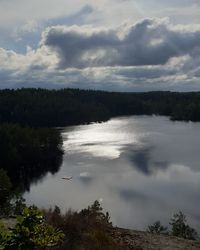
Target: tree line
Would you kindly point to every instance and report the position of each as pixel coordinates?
(52, 108)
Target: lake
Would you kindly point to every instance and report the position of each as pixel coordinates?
(141, 169)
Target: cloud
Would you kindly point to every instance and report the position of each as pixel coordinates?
(41, 57)
(86, 177)
(80, 17)
(152, 55)
(148, 42)
(107, 12)
(18, 17)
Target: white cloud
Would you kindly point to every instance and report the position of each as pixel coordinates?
(148, 42)
(127, 60)
(110, 12)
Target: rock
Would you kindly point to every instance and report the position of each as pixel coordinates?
(137, 240)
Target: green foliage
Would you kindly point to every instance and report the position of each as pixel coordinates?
(18, 204)
(95, 213)
(157, 228)
(27, 153)
(5, 186)
(180, 228)
(11, 203)
(31, 232)
(14, 205)
(4, 236)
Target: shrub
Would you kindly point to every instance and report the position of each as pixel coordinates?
(180, 228)
(31, 232)
(4, 236)
(88, 229)
(157, 228)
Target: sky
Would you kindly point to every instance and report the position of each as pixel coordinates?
(114, 45)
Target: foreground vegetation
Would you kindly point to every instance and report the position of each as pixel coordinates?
(49, 108)
(89, 229)
(30, 232)
(178, 227)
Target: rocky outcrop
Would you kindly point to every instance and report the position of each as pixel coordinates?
(136, 240)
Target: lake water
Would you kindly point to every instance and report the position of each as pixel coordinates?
(140, 168)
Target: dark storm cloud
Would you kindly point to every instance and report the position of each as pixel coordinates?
(149, 42)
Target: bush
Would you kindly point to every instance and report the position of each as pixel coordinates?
(180, 228)
(4, 236)
(31, 232)
(87, 229)
(157, 228)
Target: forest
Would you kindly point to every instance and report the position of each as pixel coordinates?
(54, 108)
(29, 153)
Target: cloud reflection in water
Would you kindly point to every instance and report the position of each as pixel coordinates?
(143, 169)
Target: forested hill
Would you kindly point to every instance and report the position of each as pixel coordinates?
(41, 107)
